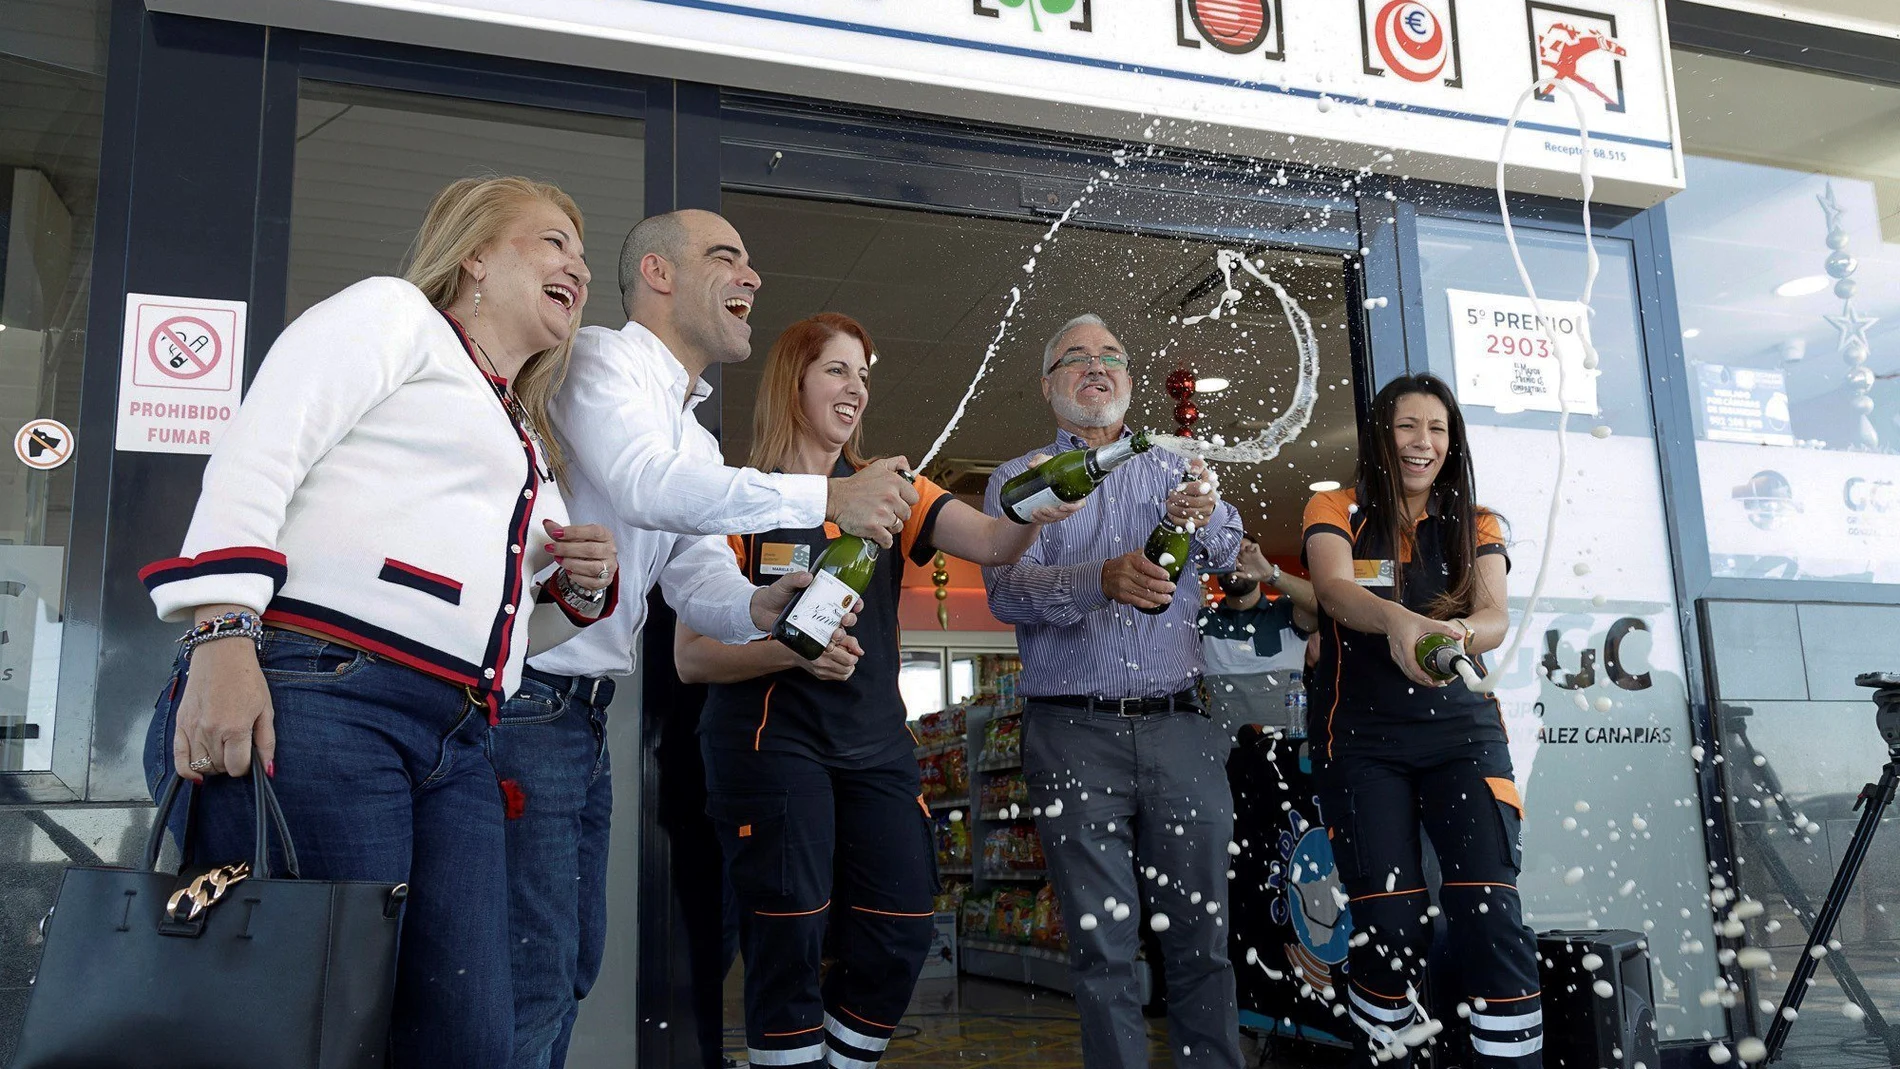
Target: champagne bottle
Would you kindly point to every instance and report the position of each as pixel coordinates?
(1168, 548)
(1444, 658)
(839, 577)
(1067, 476)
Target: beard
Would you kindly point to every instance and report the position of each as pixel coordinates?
(1106, 414)
(707, 334)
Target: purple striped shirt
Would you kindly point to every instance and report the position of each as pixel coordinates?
(1072, 638)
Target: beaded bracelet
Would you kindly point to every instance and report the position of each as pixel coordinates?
(224, 625)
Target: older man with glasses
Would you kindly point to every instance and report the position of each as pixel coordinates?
(1125, 769)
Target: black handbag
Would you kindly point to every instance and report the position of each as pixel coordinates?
(227, 968)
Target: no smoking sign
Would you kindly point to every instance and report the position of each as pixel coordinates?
(184, 347)
(180, 372)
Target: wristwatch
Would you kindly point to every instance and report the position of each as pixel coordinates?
(1465, 626)
(1273, 577)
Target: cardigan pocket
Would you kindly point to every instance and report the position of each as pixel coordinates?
(441, 586)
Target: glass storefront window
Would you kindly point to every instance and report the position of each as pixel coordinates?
(52, 97)
(1595, 701)
(1786, 247)
(349, 221)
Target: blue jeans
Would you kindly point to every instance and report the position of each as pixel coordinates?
(550, 749)
(383, 776)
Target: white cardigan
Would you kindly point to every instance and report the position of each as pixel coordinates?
(373, 488)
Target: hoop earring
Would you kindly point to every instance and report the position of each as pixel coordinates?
(478, 302)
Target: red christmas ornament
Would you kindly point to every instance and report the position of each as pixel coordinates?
(1185, 414)
(1180, 384)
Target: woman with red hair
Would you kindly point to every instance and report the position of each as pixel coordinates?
(811, 779)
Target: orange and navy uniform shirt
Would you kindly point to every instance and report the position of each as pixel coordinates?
(1356, 696)
(856, 723)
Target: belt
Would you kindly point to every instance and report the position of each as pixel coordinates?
(1185, 700)
(594, 690)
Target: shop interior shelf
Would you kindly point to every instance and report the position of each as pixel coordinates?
(999, 764)
(954, 801)
(939, 747)
(1029, 875)
(954, 870)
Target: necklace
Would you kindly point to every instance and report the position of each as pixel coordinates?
(516, 411)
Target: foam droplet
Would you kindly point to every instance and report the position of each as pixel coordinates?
(1604, 705)
(1751, 1049)
(1121, 912)
(1754, 958)
(1591, 962)
(1603, 988)
(1575, 875)
(1580, 568)
(1087, 922)
(1720, 1054)
(1852, 1012)
(1599, 431)
(1159, 922)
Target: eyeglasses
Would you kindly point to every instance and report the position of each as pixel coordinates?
(1081, 361)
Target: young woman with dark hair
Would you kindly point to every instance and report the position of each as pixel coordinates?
(811, 781)
(1408, 552)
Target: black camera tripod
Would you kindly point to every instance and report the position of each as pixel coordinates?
(1876, 797)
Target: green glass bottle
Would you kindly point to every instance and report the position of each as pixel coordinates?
(839, 577)
(1168, 548)
(1066, 477)
(1444, 658)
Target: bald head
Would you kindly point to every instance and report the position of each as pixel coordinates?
(656, 235)
(686, 276)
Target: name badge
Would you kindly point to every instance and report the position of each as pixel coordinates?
(1372, 572)
(784, 558)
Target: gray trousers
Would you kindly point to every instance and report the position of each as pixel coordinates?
(1135, 796)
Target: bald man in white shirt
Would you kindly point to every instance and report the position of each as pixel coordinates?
(641, 464)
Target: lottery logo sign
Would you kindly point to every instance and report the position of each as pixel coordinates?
(1236, 27)
(1578, 47)
(1414, 40)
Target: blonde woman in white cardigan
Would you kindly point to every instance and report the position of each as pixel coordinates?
(359, 573)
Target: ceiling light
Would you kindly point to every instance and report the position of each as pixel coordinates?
(1801, 287)
(1214, 384)
(1323, 485)
(1692, 332)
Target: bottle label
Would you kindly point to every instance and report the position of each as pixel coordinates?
(1041, 499)
(821, 607)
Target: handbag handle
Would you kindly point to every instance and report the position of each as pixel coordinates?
(268, 812)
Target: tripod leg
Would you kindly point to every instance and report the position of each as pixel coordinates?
(1877, 797)
(1785, 881)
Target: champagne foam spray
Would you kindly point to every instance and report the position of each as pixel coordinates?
(1490, 682)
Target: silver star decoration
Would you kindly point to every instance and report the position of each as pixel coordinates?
(1852, 325)
(1831, 207)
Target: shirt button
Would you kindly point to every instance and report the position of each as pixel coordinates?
(488, 673)
(509, 609)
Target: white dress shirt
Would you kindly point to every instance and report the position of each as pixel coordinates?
(643, 467)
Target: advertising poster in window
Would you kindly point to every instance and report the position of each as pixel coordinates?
(1596, 706)
(1507, 358)
(31, 578)
(1782, 513)
(1744, 404)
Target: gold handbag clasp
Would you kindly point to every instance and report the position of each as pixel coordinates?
(205, 891)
